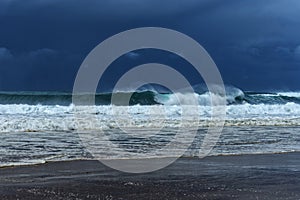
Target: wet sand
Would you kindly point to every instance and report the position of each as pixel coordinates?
(273, 176)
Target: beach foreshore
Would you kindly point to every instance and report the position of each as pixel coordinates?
(266, 176)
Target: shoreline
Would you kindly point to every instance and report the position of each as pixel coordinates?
(262, 176)
(154, 158)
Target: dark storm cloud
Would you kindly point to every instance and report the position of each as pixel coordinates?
(297, 52)
(35, 69)
(255, 44)
(5, 54)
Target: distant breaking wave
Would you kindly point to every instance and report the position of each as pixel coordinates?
(49, 111)
(234, 96)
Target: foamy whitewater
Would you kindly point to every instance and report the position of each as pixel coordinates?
(39, 127)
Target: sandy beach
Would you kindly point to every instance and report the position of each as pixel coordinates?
(268, 176)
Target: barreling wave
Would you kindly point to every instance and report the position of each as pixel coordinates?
(234, 96)
(48, 111)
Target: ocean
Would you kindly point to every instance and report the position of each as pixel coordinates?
(36, 127)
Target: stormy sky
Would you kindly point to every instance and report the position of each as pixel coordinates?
(255, 44)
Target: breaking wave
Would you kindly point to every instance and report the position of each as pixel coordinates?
(36, 111)
(151, 97)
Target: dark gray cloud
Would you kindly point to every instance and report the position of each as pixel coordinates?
(297, 52)
(5, 54)
(255, 44)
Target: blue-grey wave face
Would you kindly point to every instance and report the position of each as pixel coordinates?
(152, 97)
(36, 98)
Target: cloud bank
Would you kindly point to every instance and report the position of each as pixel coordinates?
(254, 43)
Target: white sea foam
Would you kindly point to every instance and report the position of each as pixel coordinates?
(68, 118)
(203, 99)
(290, 94)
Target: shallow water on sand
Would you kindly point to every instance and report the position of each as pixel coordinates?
(25, 148)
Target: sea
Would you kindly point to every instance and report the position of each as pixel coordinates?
(38, 127)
